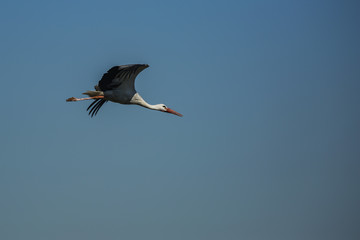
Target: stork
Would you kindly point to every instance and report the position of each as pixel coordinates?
(118, 85)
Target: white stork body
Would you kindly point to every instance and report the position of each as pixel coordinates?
(118, 85)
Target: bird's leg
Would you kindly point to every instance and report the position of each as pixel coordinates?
(73, 99)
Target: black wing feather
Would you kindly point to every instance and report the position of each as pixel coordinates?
(108, 78)
(92, 104)
(95, 106)
(98, 107)
(118, 74)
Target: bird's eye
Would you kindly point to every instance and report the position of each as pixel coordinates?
(164, 107)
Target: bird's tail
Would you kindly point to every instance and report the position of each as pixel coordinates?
(94, 93)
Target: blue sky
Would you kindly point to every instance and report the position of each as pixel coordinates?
(268, 147)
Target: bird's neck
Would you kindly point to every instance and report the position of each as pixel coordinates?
(137, 99)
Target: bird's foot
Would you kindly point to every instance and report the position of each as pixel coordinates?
(72, 99)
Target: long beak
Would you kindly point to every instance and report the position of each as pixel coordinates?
(173, 112)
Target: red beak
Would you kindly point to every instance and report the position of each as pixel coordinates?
(173, 112)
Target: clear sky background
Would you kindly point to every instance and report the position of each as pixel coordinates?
(268, 147)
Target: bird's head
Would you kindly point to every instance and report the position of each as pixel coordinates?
(164, 108)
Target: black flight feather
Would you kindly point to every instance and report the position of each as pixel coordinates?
(95, 106)
(116, 75)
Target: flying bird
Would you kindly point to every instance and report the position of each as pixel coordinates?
(118, 85)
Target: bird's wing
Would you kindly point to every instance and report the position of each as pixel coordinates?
(95, 108)
(119, 74)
